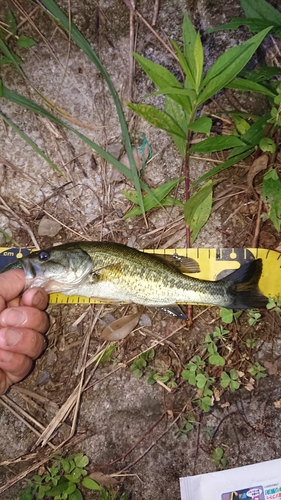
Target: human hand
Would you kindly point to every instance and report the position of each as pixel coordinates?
(22, 323)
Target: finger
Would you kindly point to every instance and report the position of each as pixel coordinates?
(26, 317)
(22, 341)
(35, 297)
(13, 368)
(11, 285)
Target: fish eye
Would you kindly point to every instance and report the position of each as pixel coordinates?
(43, 255)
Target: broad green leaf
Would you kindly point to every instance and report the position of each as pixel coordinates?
(158, 118)
(261, 74)
(81, 460)
(189, 36)
(83, 44)
(218, 143)
(184, 97)
(271, 194)
(260, 9)
(267, 145)
(252, 136)
(199, 60)
(76, 495)
(13, 59)
(202, 125)
(198, 208)
(161, 76)
(160, 193)
(223, 166)
(175, 111)
(241, 124)
(201, 380)
(248, 86)
(25, 42)
(183, 62)
(226, 315)
(216, 360)
(229, 65)
(90, 484)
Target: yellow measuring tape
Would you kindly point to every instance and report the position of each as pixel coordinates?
(214, 263)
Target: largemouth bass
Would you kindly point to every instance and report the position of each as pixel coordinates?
(117, 273)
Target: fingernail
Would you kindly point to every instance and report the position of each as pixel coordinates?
(12, 317)
(12, 337)
(5, 356)
(38, 299)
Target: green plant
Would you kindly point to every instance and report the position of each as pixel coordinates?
(196, 375)
(230, 380)
(62, 480)
(139, 364)
(254, 317)
(257, 371)
(219, 458)
(274, 304)
(186, 425)
(9, 29)
(181, 104)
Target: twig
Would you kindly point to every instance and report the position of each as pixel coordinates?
(258, 225)
(155, 12)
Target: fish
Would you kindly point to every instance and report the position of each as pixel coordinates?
(117, 273)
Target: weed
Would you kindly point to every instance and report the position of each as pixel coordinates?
(139, 364)
(186, 425)
(218, 457)
(62, 480)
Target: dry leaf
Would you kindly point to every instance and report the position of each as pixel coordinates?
(277, 404)
(225, 405)
(120, 328)
(257, 166)
(217, 394)
(103, 479)
(250, 385)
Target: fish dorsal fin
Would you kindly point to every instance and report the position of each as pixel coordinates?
(182, 264)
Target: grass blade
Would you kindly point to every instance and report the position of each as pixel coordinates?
(82, 43)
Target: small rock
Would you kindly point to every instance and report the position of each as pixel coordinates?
(51, 357)
(42, 378)
(48, 227)
(145, 320)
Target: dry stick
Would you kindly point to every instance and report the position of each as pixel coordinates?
(23, 474)
(258, 225)
(132, 447)
(155, 441)
(24, 225)
(155, 12)
(131, 58)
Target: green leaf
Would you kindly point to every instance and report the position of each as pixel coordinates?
(223, 166)
(183, 63)
(148, 201)
(31, 143)
(260, 9)
(106, 355)
(254, 25)
(199, 60)
(241, 124)
(198, 208)
(76, 495)
(226, 315)
(234, 385)
(81, 460)
(25, 42)
(202, 125)
(176, 112)
(60, 488)
(229, 65)
(158, 118)
(189, 37)
(12, 22)
(225, 380)
(201, 380)
(267, 145)
(271, 194)
(216, 360)
(249, 86)
(36, 108)
(218, 143)
(90, 484)
(82, 43)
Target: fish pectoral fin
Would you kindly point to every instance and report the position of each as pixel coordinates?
(173, 310)
(107, 273)
(182, 264)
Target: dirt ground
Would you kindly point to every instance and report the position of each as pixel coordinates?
(73, 401)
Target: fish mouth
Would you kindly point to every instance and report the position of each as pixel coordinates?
(33, 276)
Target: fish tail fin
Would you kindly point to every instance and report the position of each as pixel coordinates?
(244, 290)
